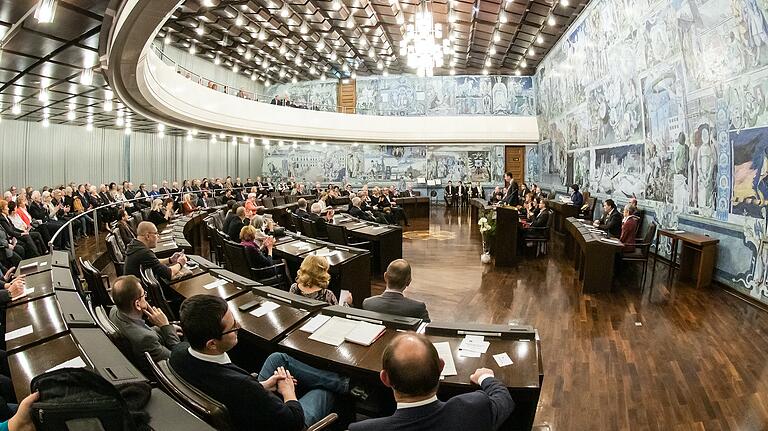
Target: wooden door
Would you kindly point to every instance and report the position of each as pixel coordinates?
(346, 97)
(514, 162)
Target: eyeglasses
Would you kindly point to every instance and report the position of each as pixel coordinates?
(234, 329)
(142, 296)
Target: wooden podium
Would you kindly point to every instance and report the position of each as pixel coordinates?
(506, 236)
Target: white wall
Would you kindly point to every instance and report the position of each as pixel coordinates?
(33, 155)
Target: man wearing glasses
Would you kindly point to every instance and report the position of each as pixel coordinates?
(267, 400)
(130, 307)
(139, 255)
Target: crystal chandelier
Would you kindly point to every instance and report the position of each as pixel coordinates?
(423, 43)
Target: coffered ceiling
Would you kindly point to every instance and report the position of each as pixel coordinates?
(279, 40)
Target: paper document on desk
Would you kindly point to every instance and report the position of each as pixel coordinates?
(365, 333)
(42, 264)
(344, 295)
(334, 331)
(18, 333)
(474, 345)
(444, 352)
(265, 308)
(611, 241)
(76, 362)
(315, 323)
(215, 284)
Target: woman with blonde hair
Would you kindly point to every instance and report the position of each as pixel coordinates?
(312, 281)
(187, 206)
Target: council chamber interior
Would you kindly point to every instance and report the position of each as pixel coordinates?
(383, 214)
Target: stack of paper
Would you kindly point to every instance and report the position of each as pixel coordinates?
(338, 329)
(444, 352)
(215, 284)
(315, 323)
(472, 346)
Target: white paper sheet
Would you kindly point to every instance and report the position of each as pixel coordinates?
(334, 331)
(265, 308)
(315, 323)
(42, 264)
(503, 359)
(26, 330)
(72, 363)
(215, 284)
(444, 352)
(365, 333)
(474, 346)
(468, 354)
(344, 295)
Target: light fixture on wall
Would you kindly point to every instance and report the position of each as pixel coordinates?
(167, 39)
(200, 29)
(424, 44)
(234, 141)
(71, 115)
(45, 11)
(16, 108)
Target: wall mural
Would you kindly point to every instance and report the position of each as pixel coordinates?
(666, 101)
(446, 95)
(320, 95)
(397, 164)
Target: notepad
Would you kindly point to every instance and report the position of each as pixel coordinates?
(76, 362)
(26, 330)
(469, 354)
(168, 230)
(315, 323)
(215, 284)
(166, 238)
(444, 352)
(612, 241)
(338, 329)
(265, 308)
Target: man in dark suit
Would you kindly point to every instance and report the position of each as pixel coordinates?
(301, 209)
(393, 301)
(450, 194)
(268, 400)
(411, 367)
(512, 192)
(130, 307)
(236, 225)
(611, 219)
(357, 212)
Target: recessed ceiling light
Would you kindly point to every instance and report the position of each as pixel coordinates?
(497, 37)
(539, 39)
(551, 20)
(503, 18)
(45, 11)
(523, 63)
(485, 71)
(487, 61)
(565, 3)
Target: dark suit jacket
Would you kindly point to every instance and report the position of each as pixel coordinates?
(541, 220)
(611, 223)
(9, 228)
(235, 226)
(357, 212)
(483, 410)
(250, 406)
(511, 195)
(397, 304)
(301, 213)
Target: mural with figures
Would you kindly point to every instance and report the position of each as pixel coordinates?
(399, 164)
(319, 95)
(446, 95)
(666, 101)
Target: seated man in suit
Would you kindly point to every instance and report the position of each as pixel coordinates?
(611, 219)
(392, 301)
(462, 195)
(477, 191)
(356, 211)
(301, 209)
(411, 367)
(237, 224)
(130, 306)
(541, 221)
(139, 254)
(231, 215)
(320, 217)
(264, 401)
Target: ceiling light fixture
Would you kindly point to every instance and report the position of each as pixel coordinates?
(551, 21)
(496, 37)
(45, 11)
(208, 3)
(86, 76)
(167, 39)
(239, 21)
(200, 29)
(539, 39)
(217, 60)
(565, 3)
(503, 18)
(108, 96)
(425, 45)
(523, 63)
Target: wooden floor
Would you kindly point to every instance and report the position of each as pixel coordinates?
(666, 358)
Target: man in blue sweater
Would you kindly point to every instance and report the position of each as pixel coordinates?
(268, 400)
(411, 367)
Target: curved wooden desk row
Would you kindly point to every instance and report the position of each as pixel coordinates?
(279, 330)
(50, 327)
(593, 254)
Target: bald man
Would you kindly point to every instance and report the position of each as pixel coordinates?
(411, 368)
(393, 301)
(139, 255)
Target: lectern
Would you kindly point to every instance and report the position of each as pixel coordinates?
(506, 236)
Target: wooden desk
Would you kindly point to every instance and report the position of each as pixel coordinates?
(37, 359)
(387, 242)
(697, 257)
(507, 225)
(73, 309)
(594, 256)
(42, 314)
(165, 249)
(562, 211)
(196, 286)
(203, 262)
(350, 269)
(298, 246)
(107, 360)
(42, 285)
(272, 325)
(416, 206)
(43, 263)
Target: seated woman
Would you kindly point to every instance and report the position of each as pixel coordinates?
(187, 206)
(629, 228)
(259, 256)
(124, 229)
(157, 213)
(21, 225)
(530, 208)
(312, 281)
(263, 228)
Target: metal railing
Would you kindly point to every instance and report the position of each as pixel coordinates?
(95, 215)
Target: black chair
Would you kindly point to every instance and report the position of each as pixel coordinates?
(155, 293)
(540, 236)
(275, 275)
(297, 226)
(268, 203)
(642, 252)
(338, 235)
(210, 232)
(589, 212)
(101, 316)
(115, 254)
(208, 409)
(98, 284)
(279, 200)
(218, 242)
(145, 213)
(308, 228)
